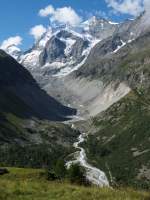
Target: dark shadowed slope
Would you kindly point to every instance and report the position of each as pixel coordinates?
(21, 95)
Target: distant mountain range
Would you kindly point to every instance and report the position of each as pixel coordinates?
(65, 51)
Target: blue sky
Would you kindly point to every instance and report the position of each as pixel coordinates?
(19, 16)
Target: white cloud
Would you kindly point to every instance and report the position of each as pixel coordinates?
(146, 17)
(147, 6)
(131, 7)
(47, 11)
(16, 40)
(65, 15)
(37, 31)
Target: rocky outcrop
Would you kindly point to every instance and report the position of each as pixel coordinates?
(54, 51)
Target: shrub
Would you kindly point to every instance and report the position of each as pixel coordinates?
(60, 169)
(51, 176)
(76, 174)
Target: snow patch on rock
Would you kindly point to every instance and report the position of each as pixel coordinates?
(31, 60)
(119, 47)
(70, 68)
(14, 51)
(69, 43)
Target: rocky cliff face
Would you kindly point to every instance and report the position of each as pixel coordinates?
(62, 51)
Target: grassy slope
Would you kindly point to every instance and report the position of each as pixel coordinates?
(27, 184)
(39, 146)
(32, 142)
(29, 142)
(12, 109)
(120, 144)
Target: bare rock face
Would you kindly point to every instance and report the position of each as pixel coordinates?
(62, 48)
(53, 51)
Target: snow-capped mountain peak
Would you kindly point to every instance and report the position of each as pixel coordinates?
(45, 37)
(99, 27)
(63, 49)
(66, 47)
(14, 51)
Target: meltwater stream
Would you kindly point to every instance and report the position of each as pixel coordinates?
(93, 174)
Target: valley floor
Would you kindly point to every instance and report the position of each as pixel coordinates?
(30, 184)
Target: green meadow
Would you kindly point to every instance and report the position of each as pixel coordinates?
(31, 184)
